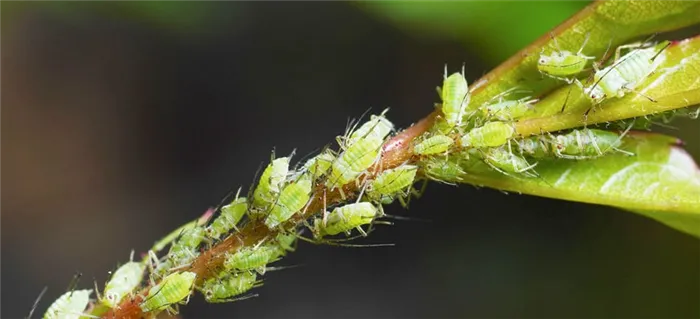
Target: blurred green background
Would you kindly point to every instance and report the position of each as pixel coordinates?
(123, 120)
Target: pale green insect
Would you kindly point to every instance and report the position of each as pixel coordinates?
(123, 282)
(491, 134)
(626, 73)
(356, 159)
(448, 171)
(345, 218)
(253, 258)
(183, 251)
(455, 98)
(172, 236)
(171, 290)
(377, 127)
(292, 199)
(70, 305)
(433, 145)
(392, 182)
(319, 165)
(505, 162)
(231, 285)
(285, 243)
(508, 110)
(230, 215)
(271, 182)
(577, 144)
(563, 63)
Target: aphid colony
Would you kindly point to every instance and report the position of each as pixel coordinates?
(280, 201)
(282, 193)
(487, 132)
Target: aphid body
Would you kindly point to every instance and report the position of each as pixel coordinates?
(626, 73)
(455, 98)
(123, 282)
(70, 305)
(392, 182)
(172, 289)
(504, 161)
(358, 157)
(319, 165)
(491, 134)
(433, 145)
(577, 144)
(345, 218)
(271, 182)
(508, 110)
(377, 127)
(292, 199)
(253, 258)
(563, 63)
(231, 285)
(230, 215)
(444, 170)
(182, 251)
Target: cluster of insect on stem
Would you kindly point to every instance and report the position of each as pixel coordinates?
(280, 202)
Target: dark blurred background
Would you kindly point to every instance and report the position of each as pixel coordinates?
(123, 120)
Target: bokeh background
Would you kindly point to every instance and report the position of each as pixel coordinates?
(123, 120)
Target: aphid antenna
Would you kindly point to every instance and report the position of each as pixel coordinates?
(405, 218)
(239, 298)
(277, 268)
(36, 302)
(583, 45)
(74, 282)
(619, 140)
(555, 42)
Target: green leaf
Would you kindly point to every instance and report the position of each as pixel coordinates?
(660, 181)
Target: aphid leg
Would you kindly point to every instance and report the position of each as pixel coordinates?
(325, 209)
(583, 45)
(236, 299)
(566, 100)
(640, 94)
(362, 231)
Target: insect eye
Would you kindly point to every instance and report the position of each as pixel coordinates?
(542, 61)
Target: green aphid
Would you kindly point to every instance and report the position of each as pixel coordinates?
(229, 286)
(284, 243)
(377, 127)
(455, 98)
(271, 183)
(252, 258)
(292, 199)
(230, 215)
(433, 145)
(183, 251)
(123, 282)
(392, 182)
(357, 158)
(562, 63)
(508, 110)
(586, 143)
(505, 162)
(345, 218)
(171, 290)
(448, 171)
(70, 305)
(172, 236)
(491, 134)
(319, 165)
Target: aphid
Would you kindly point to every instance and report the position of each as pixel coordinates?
(124, 280)
(356, 159)
(253, 258)
(284, 243)
(444, 170)
(165, 241)
(433, 145)
(231, 214)
(70, 305)
(491, 134)
(505, 162)
(231, 285)
(172, 289)
(271, 182)
(182, 251)
(455, 98)
(562, 63)
(577, 144)
(508, 110)
(626, 73)
(391, 182)
(377, 127)
(345, 218)
(319, 165)
(292, 199)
